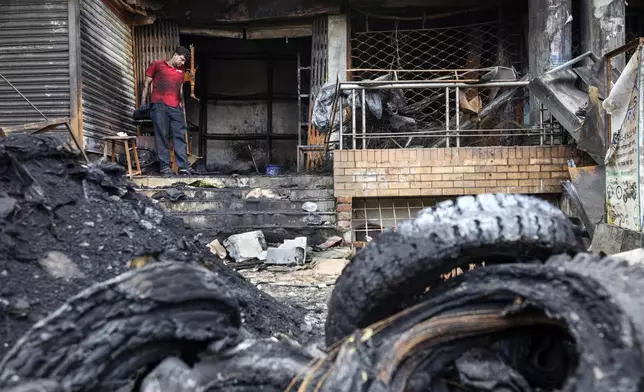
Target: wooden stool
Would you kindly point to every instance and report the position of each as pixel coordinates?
(126, 140)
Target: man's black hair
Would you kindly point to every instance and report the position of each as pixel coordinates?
(183, 51)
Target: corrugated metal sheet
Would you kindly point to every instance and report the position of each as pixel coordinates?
(107, 63)
(153, 42)
(34, 57)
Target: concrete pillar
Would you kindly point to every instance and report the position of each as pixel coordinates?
(337, 47)
(550, 34)
(550, 39)
(603, 27)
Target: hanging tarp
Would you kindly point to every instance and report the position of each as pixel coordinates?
(623, 163)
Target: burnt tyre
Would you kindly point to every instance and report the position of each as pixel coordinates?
(392, 271)
(110, 334)
(573, 324)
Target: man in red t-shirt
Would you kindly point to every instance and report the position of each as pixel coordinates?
(166, 111)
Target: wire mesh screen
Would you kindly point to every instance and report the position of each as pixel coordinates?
(458, 52)
(432, 54)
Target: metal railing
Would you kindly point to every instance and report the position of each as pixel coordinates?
(448, 129)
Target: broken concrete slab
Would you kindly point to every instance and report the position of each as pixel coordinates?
(285, 256)
(289, 253)
(58, 265)
(246, 246)
(332, 267)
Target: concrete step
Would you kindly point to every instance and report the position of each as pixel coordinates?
(293, 194)
(221, 182)
(232, 205)
(256, 219)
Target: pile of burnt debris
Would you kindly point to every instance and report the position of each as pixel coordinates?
(65, 226)
(540, 315)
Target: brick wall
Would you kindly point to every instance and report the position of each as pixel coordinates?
(450, 171)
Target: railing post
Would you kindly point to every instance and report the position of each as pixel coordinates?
(541, 129)
(353, 117)
(341, 116)
(458, 117)
(447, 115)
(364, 120)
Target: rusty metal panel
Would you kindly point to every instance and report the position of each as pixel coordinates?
(153, 42)
(319, 54)
(34, 57)
(107, 63)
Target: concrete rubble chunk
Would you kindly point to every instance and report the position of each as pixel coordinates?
(285, 256)
(218, 249)
(58, 265)
(289, 253)
(330, 243)
(246, 246)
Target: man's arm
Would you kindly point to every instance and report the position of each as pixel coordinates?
(181, 96)
(146, 90)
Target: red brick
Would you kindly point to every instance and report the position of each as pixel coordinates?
(343, 208)
(344, 199)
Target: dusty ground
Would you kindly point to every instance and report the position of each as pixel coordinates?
(308, 288)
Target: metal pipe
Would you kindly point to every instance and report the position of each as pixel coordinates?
(364, 120)
(412, 85)
(447, 115)
(574, 61)
(341, 122)
(467, 132)
(541, 124)
(353, 117)
(552, 138)
(458, 117)
(381, 136)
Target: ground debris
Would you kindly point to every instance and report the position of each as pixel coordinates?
(125, 225)
(545, 316)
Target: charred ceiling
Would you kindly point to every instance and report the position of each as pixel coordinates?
(197, 13)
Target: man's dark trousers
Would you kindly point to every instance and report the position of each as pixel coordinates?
(169, 122)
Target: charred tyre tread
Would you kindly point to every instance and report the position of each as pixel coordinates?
(104, 336)
(513, 228)
(36, 386)
(595, 303)
(623, 282)
(263, 365)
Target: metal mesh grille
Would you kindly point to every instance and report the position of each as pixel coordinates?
(464, 52)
